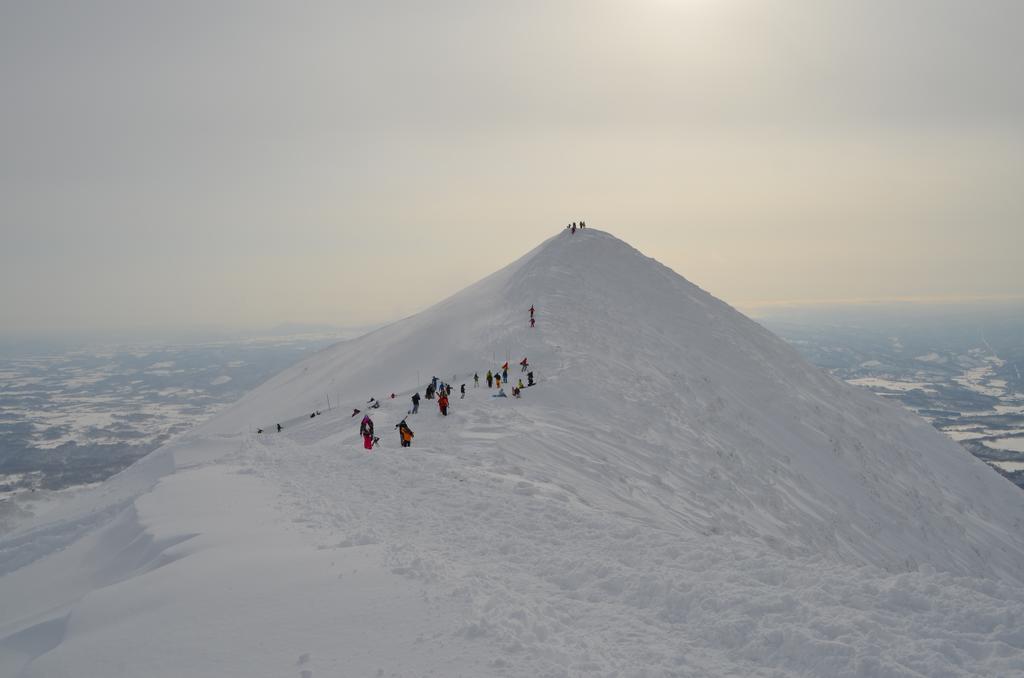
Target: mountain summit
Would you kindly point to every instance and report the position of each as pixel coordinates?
(701, 418)
(680, 494)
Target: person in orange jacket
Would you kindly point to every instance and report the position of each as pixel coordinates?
(405, 434)
(442, 404)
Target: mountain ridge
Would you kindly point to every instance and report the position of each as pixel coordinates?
(680, 494)
(643, 332)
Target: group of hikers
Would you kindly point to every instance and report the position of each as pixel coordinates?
(442, 392)
(405, 434)
(572, 228)
(495, 378)
(436, 388)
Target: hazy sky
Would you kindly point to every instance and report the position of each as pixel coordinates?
(245, 163)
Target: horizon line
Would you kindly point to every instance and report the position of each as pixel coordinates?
(877, 301)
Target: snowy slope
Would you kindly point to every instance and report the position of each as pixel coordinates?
(681, 494)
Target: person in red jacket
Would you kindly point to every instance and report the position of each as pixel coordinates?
(442, 404)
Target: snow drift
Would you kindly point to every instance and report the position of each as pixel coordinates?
(681, 494)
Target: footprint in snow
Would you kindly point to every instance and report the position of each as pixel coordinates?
(525, 488)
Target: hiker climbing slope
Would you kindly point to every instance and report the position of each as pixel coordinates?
(405, 434)
(366, 430)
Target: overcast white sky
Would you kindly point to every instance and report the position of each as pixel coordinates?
(248, 163)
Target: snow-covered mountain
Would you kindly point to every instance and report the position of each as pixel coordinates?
(681, 494)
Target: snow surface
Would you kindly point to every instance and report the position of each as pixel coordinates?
(680, 495)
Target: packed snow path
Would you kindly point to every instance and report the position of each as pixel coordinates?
(554, 586)
(681, 496)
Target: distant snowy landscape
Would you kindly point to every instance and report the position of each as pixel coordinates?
(958, 366)
(680, 494)
(74, 416)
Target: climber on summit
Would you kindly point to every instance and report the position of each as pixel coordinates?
(524, 363)
(476, 380)
(415, 403)
(490, 379)
(366, 430)
(531, 310)
(497, 381)
(462, 389)
(504, 372)
(442, 404)
(532, 323)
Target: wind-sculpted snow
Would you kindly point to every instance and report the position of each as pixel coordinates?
(680, 495)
